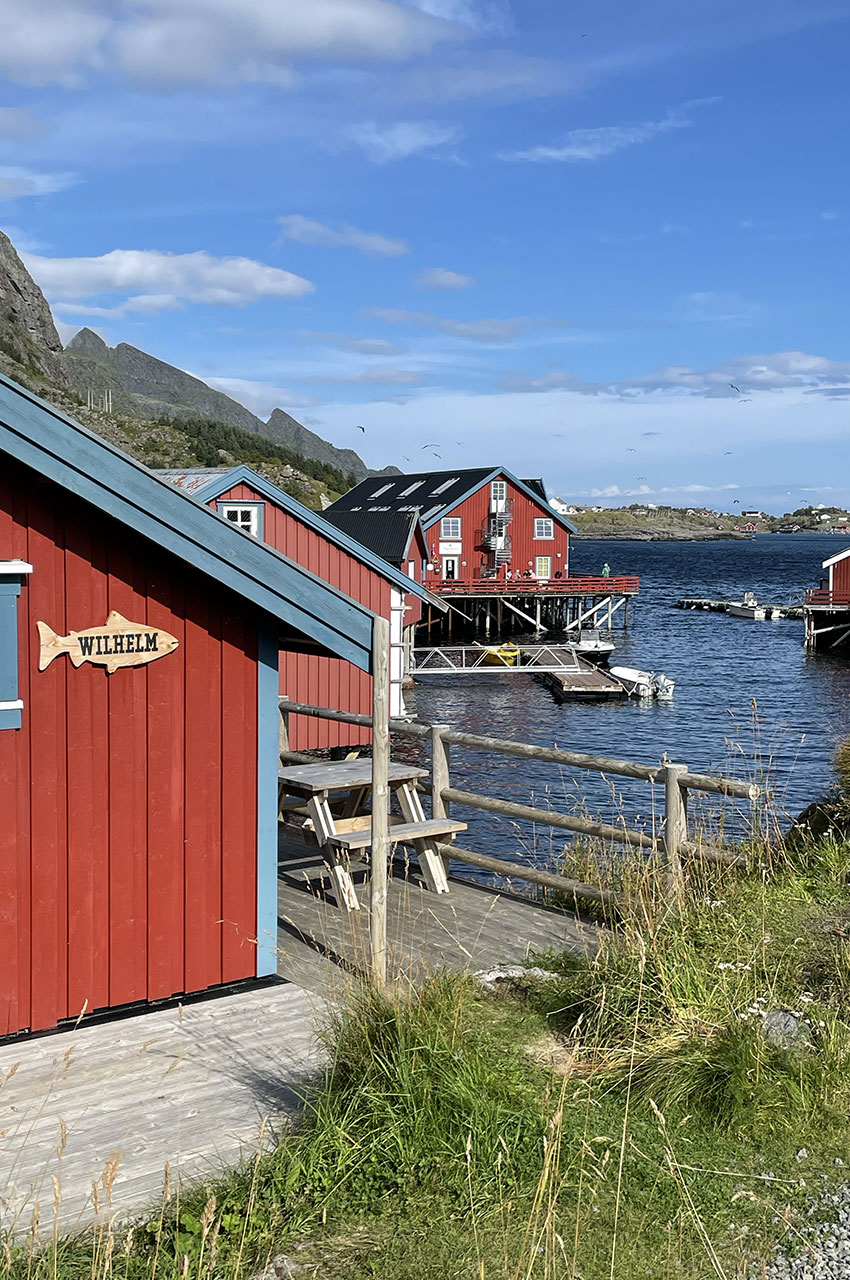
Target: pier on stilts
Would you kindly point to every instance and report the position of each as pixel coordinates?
(499, 606)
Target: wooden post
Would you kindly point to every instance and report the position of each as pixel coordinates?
(676, 824)
(283, 728)
(440, 777)
(380, 798)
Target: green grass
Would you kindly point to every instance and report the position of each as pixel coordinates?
(624, 1119)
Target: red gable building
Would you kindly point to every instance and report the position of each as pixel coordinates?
(479, 524)
(372, 578)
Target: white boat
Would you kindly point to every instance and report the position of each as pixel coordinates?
(643, 684)
(749, 607)
(592, 644)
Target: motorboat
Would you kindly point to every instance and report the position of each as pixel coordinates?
(593, 645)
(749, 607)
(643, 684)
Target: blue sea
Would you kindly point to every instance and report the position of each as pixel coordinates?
(749, 700)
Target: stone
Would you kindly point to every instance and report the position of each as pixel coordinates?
(784, 1030)
(27, 332)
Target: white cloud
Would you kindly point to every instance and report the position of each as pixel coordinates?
(16, 182)
(309, 231)
(440, 278)
(471, 330)
(830, 215)
(18, 125)
(165, 280)
(399, 141)
(169, 43)
(260, 397)
(592, 144)
(380, 377)
(737, 379)
(360, 346)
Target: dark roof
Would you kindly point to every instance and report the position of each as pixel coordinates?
(56, 446)
(431, 492)
(206, 484)
(386, 533)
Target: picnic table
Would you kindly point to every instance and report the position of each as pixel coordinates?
(342, 827)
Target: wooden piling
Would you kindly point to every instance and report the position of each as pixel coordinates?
(380, 798)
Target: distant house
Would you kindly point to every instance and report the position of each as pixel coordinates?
(479, 524)
(261, 509)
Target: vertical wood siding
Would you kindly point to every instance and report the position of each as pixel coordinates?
(841, 578)
(326, 682)
(524, 546)
(128, 872)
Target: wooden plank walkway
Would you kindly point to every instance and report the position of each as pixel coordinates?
(196, 1086)
(468, 929)
(190, 1086)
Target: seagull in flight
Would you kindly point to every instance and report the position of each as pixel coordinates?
(631, 451)
(734, 388)
(429, 446)
(728, 453)
(645, 435)
(363, 429)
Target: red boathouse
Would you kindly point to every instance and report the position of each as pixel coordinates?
(138, 851)
(334, 554)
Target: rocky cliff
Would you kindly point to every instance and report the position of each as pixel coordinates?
(283, 427)
(27, 333)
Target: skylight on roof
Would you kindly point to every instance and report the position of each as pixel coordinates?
(447, 484)
(406, 492)
(432, 511)
(383, 489)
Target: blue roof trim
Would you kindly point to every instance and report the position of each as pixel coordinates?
(243, 474)
(44, 438)
(520, 484)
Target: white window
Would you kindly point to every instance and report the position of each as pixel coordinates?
(405, 493)
(245, 516)
(383, 489)
(543, 567)
(544, 528)
(498, 491)
(447, 484)
(450, 527)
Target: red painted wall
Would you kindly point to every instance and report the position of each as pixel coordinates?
(474, 513)
(128, 865)
(841, 578)
(324, 682)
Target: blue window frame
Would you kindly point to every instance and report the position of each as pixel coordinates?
(12, 574)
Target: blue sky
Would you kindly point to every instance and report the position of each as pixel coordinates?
(551, 235)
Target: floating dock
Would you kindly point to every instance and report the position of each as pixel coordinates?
(706, 605)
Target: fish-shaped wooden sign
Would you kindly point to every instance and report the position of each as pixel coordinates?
(118, 643)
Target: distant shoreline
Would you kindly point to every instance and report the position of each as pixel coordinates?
(645, 535)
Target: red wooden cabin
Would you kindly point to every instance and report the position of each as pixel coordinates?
(138, 847)
(263, 510)
(480, 525)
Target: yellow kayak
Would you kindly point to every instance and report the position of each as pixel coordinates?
(500, 655)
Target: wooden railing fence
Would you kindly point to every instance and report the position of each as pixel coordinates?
(672, 847)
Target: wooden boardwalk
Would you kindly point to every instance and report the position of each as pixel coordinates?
(194, 1087)
(190, 1086)
(468, 929)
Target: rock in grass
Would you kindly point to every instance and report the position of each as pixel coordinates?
(490, 979)
(784, 1030)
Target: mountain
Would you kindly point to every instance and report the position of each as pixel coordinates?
(154, 411)
(27, 333)
(143, 386)
(283, 427)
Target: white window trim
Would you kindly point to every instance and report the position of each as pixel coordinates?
(256, 510)
(544, 537)
(451, 537)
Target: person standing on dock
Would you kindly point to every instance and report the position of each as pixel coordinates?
(606, 570)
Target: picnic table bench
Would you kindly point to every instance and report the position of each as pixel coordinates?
(342, 827)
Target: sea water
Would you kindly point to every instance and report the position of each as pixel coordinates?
(749, 699)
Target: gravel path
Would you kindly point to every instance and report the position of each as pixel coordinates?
(827, 1255)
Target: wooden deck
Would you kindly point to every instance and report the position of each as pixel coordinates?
(468, 929)
(192, 1087)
